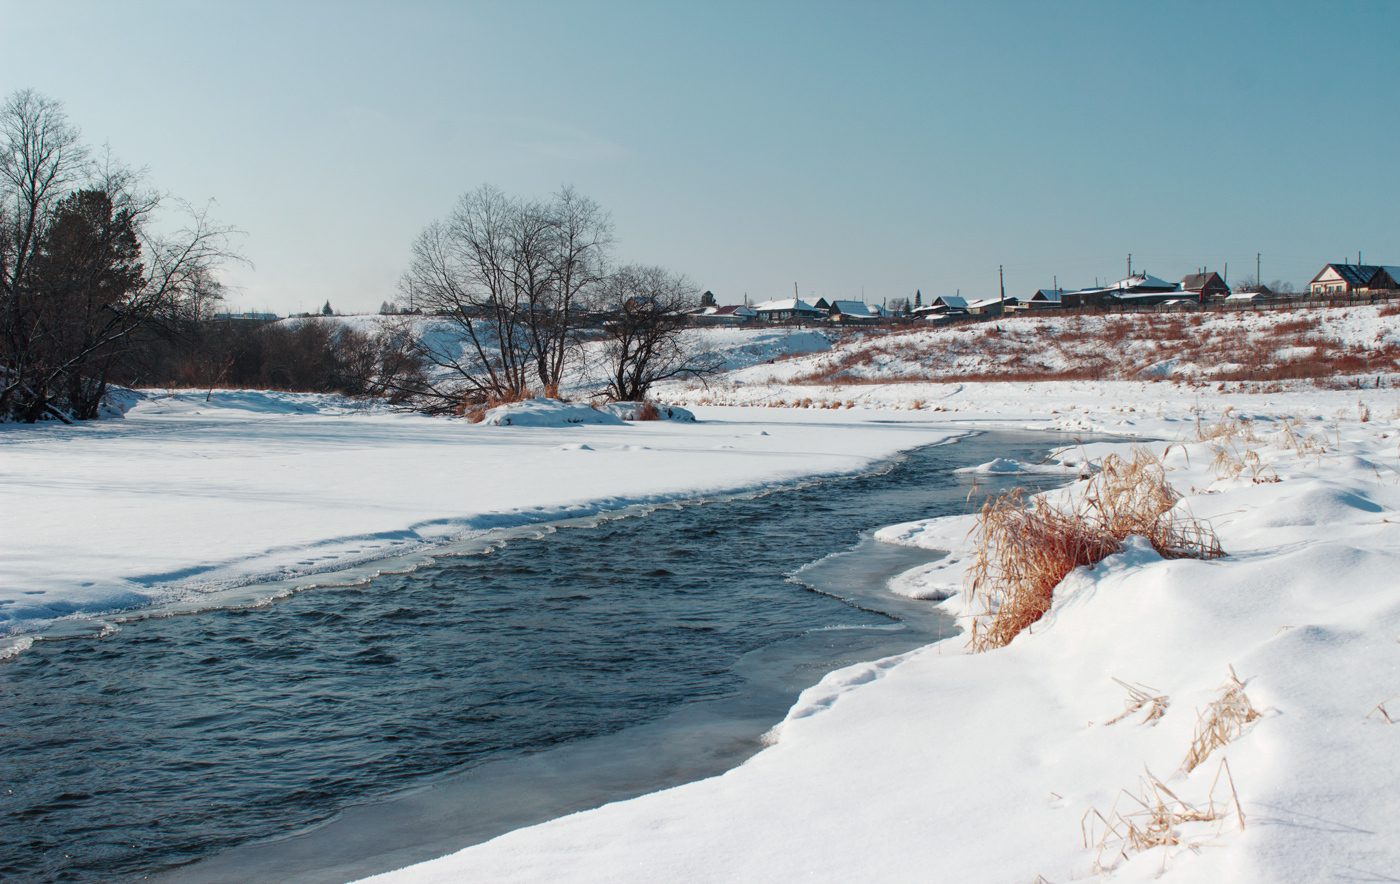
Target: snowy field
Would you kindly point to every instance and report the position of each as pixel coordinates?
(937, 765)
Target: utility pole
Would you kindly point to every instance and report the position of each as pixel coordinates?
(1002, 279)
(1258, 280)
(1130, 264)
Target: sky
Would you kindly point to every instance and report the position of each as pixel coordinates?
(848, 149)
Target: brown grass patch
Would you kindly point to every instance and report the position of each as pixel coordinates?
(1139, 696)
(1156, 819)
(474, 406)
(1223, 720)
(1025, 549)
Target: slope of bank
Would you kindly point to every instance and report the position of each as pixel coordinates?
(1065, 755)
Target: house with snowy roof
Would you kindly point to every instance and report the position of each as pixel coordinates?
(1205, 285)
(1343, 278)
(1139, 289)
(943, 306)
(786, 310)
(849, 312)
(1044, 299)
(733, 314)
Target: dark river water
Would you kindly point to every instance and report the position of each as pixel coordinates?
(340, 732)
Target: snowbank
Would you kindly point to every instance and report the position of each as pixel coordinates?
(547, 413)
(940, 765)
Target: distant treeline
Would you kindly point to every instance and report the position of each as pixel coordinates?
(311, 355)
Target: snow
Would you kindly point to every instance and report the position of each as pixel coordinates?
(936, 764)
(547, 413)
(943, 765)
(194, 495)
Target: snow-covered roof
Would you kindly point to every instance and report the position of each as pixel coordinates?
(1143, 282)
(1195, 282)
(785, 304)
(852, 308)
(952, 302)
(730, 310)
(1047, 295)
(983, 303)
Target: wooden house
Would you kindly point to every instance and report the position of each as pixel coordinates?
(787, 310)
(1205, 285)
(1345, 278)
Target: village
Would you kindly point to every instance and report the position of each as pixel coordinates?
(1337, 284)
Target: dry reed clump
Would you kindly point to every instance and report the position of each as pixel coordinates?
(1025, 549)
(1224, 719)
(1157, 820)
(474, 406)
(648, 412)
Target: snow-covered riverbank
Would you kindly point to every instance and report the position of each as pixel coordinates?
(185, 498)
(934, 765)
(1019, 763)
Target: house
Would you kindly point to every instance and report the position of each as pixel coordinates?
(734, 314)
(1141, 289)
(787, 310)
(849, 312)
(1044, 299)
(943, 305)
(1343, 278)
(989, 306)
(1253, 297)
(1205, 285)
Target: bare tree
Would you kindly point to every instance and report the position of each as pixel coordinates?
(505, 276)
(580, 241)
(82, 270)
(41, 155)
(643, 333)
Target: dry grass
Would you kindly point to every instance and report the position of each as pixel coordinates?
(1222, 722)
(1237, 448)
(1382, 711)
(474, 406)
(1259, 348)
(648, 412)
(1025, 549)
(1139, 696)
(1156, 820)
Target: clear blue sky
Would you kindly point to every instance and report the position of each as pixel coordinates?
(889, 146)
